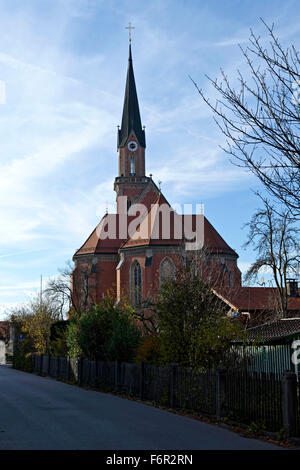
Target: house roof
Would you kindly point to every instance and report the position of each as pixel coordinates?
(275, 330)
(248, 299)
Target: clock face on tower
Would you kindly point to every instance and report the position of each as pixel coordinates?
(132, 146)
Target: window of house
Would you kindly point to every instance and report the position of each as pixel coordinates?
(84, 288)
(136, 281)
(166, 270)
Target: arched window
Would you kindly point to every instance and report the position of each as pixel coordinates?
(84, 288)
(166, 270)
(132, 165)
(136, 283)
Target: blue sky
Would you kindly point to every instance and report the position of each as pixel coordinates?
(64, 64)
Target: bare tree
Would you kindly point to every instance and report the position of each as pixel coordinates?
(261, 119)
(69, 294)
(276, 240)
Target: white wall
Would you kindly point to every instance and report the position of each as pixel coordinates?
(2, 352)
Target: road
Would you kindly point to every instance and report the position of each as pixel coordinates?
(39, 413)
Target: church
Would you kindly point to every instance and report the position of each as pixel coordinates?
(133, 250)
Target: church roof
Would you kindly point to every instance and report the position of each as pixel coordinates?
(95, 244)
(131, 119)
(150, 231)
(214, 241)
(211, 239)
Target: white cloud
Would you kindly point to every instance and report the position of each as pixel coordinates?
(64, 69)
(20, 286)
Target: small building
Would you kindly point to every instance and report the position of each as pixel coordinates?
(259, 305)
(272, 347)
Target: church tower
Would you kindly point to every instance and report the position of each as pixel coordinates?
(131, 146)
(137, 263)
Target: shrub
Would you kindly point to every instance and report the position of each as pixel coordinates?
(22, 360)
(106, 332)
(150, 350)
(194, 328)
(58, 341)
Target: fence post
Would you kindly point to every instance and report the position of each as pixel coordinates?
(220, 392)
(173, 384)
(58, 367)
(67, 368)
(79, 370)
(117, 374)
(89, 375)
(142, 378)
(289, 402)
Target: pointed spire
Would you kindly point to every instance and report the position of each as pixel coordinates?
(131, 119)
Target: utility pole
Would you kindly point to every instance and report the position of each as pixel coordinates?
(41, 293)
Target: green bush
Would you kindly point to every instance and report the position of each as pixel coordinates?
(22, 360)
(106, 332)
(150, 350)
(58, 343)
(195, 330)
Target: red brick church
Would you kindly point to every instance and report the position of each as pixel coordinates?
(133, 250)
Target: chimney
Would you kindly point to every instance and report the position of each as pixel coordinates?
(292, 287)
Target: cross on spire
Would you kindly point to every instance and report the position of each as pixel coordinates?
(129, 27)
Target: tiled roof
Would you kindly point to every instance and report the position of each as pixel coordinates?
(275, 330)
(94, 244)
(248, 299)
(211, 238)
(214, 241)
(147, 225)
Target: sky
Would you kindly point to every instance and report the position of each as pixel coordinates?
(63, 66)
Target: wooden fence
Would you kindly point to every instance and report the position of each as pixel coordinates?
(265, 401)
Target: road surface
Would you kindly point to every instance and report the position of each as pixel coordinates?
(40, 413)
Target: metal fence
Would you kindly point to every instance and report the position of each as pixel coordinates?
(245, 397)
(156, 384)
(254, 398)
(266, 358)
(196, 390)
(297, 423)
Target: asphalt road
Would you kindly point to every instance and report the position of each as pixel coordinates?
(40, 413)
